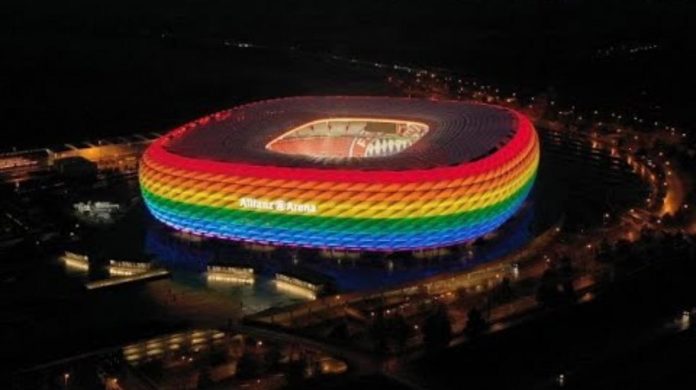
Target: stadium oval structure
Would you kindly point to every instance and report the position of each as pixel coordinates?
(356, 173)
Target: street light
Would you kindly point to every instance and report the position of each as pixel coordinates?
(686, 319)
(515, 270)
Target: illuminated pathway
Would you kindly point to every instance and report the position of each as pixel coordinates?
(674, 198)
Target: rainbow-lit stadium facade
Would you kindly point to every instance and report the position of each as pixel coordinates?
(356, 173)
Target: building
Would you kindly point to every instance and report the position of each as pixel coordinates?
(357, 173)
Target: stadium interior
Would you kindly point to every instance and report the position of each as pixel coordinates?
(349, 138)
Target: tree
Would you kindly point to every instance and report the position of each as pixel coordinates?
(295, 372)
(204, 378)
(437, 330)
(548, 294)
(503, 292)
(272, 357)
(378, 330)
(566, 269)
(247, 366)
(604, 252)
(475, 323)
(340, 331)
(399, 331)
(568, 294)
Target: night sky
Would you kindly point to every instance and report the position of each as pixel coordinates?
(82, 69)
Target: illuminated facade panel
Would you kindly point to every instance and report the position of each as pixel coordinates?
(430, 194)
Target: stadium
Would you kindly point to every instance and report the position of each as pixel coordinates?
(354, 173)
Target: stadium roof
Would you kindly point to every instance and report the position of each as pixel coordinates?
(459, 132)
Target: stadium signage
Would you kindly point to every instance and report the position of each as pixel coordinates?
(277, 205)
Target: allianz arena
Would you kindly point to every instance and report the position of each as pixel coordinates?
(357, 173)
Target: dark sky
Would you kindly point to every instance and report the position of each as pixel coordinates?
(367, 24)
(57, 52)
